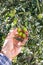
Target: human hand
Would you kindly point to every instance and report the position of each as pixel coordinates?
(12, 47)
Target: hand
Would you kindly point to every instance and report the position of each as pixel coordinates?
(12, 47)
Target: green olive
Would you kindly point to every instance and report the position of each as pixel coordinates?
(24, 35)
(24, 29)
(20, 34)
(12, 13)
(40, 16)
(19, 29)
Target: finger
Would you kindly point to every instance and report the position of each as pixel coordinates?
(13, 30)
(26, 38)
(16, 51)
(24, 41)
(26, 33)
(12, 33)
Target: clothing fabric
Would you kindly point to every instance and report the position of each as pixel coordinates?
(4, 60)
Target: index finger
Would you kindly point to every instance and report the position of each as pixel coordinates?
(25, 39)
(12, 33)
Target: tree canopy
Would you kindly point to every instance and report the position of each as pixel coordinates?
(28, 13)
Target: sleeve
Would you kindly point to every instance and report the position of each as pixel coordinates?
(4, 60)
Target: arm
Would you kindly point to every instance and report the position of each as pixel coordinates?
(11, 47)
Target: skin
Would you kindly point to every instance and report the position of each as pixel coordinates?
(12, 47)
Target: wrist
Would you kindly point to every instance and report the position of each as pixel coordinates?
(6, 54)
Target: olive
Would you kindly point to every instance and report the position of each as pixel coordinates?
(24, 35)
(12, 13)
(40, 16)
(20, 34)
(19, 29)
(24, 29)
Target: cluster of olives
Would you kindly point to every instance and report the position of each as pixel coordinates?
(21, 32)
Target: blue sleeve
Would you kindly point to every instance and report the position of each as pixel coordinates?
(4, 60)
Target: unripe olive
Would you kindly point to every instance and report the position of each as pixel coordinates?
(20, 34)
(12, 13)
(19, 29)
(24, 29)
(40, 16)
(24, 35)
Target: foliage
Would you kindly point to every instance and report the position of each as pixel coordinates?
(28, 13)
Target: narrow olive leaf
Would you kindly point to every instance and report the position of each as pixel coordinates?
(19, 39)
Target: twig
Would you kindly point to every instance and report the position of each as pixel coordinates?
(38, 6)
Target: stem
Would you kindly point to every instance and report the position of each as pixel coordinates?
(38, 6)
(42, 5)
(24, 13)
